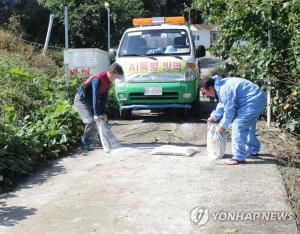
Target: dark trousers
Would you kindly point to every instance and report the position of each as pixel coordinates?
(86, 115)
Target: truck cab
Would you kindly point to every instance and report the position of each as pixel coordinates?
(161, 66)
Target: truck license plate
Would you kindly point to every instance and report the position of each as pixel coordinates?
(153, 91)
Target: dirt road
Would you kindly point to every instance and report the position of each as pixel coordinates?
(132, 191)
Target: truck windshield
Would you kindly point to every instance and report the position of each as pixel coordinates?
(155, 42)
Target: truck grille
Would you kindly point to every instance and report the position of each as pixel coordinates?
(165, 96)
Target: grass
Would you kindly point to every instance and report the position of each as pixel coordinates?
(285, 148)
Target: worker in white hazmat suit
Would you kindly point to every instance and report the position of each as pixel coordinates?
(240, 102)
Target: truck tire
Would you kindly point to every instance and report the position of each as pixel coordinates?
(125, 113)
(195, 110)
(183, 112)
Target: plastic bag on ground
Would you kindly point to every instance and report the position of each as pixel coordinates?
(174, 150)
(216, 142)
(108, 139)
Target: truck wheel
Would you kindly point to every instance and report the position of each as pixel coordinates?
(125, 113)
(195, 110)
(183, 113)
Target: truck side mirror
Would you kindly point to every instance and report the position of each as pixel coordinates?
(200, 52)
(112, 55)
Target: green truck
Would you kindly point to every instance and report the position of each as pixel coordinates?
(161, 66)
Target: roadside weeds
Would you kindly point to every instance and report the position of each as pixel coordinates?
(285, 149)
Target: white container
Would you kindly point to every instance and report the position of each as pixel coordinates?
(85, 61)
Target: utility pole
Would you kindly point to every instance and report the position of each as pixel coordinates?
(66, 27)
(66, 41)
(48, 35)
(106, 4)
(269, 99)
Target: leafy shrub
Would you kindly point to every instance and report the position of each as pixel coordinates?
(113, 106)
(271, 62)
(38, 122)
(49, 135)
(20, 94)
(18, 155)
(57, 56)
(37, 119)
(30, 136)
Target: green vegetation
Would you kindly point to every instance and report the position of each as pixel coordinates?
(274, 66)
(37, 120)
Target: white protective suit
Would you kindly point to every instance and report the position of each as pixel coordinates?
(240, 103)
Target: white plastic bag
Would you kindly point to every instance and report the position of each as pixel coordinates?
(174, 150)
(108, 140)
(216, 142)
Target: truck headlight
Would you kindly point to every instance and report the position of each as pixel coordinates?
(190, 71)
(122, 96)
(186, 95)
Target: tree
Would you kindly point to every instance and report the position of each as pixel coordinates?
(88, 19)
(21, 18)
(6, 7)
(273, 65)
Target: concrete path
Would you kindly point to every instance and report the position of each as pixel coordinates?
(131, 191)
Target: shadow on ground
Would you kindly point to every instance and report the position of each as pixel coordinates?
(174, 115)
(43, 174)
(261, 159)
(209, 62)
(10, 216)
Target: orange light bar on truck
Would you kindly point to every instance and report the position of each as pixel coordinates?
(175, 20)
(158, 20)
(142, 21)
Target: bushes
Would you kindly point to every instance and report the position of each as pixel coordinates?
(47, 136)
(37, 123)
(273, 66)
(113, 106)
(37, 120)
(18, 155)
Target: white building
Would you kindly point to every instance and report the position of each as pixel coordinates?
(205, 34)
